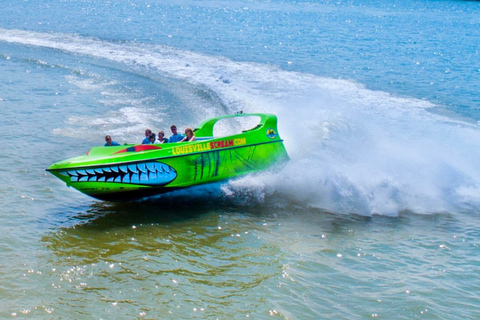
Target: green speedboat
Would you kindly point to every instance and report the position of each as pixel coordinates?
(135, 171)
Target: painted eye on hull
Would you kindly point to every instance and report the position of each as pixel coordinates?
(145, 173)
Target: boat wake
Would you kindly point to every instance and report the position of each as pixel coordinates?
(352, 150)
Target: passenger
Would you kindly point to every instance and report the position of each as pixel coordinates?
(176, 137)
(109, 142)
(189, 135)
(161, 137)
(148, 132)
(151, 139)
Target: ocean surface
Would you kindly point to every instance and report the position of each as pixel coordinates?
(377, 214)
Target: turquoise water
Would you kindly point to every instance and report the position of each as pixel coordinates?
(375, 216)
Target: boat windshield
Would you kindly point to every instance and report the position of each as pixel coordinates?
(232, 126)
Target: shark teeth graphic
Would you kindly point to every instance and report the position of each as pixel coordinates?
(144, 173)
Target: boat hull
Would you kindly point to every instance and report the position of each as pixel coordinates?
(141, 179)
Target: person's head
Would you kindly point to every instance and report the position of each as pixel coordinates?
(188, 132)
(151, 137)
(161, 134)
(173, 128)
(148, 132)
(108, 139)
